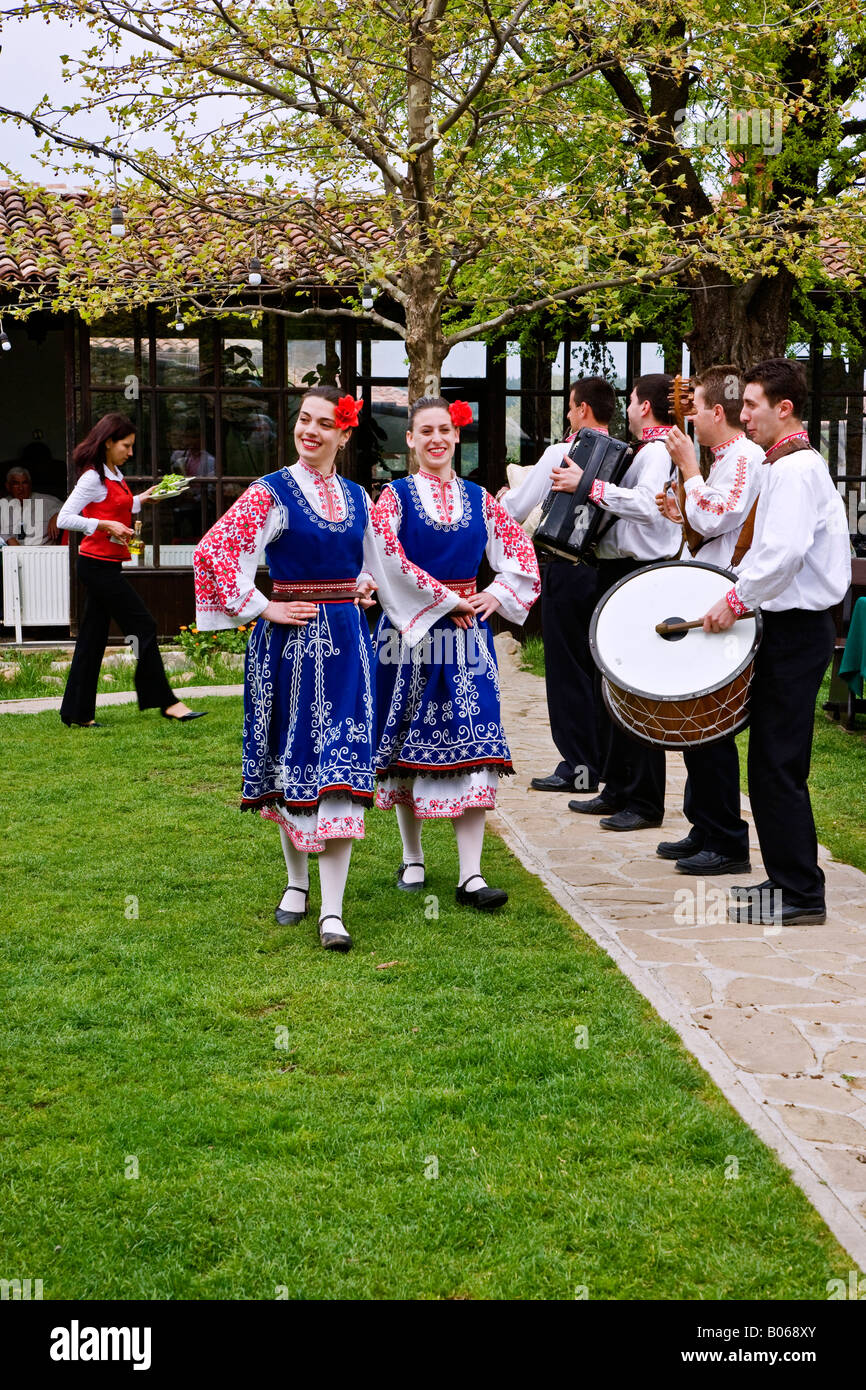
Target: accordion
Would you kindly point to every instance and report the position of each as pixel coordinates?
(570, 522)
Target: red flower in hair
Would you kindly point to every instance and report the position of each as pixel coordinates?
(346, 413)
(461, 413)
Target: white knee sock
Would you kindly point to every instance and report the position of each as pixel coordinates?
(293, 900)
(469, 829)
(333, 872)
(410, 834)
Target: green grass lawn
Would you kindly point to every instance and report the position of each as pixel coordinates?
(35, 678)
(287, 1111)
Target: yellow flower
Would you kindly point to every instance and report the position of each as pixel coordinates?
(184, 629)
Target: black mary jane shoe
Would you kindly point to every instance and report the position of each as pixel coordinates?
(286, 918)
(331, 940)
(182, 718)
(410, 887)
(484, 899)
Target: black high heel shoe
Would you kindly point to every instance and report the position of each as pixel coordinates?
(484, 899)
(286, 918)
(182, 718)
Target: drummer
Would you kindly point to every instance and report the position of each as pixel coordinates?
(797, 570)
(634, 535)
(568, 597)
(718, 838)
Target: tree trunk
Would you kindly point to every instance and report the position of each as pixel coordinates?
(741, 324)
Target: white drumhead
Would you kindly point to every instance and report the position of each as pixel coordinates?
(633, 654)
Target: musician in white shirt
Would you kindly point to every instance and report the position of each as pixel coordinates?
(716, 510)
(798, 568)
(633, 773)
(568, 596)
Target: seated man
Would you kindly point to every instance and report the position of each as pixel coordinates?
(27, 517)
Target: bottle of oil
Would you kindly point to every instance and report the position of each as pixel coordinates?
(136, 544)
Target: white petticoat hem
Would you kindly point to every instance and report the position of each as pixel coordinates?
(336, 818)
(440, 798)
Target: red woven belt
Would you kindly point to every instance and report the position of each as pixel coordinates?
(334, 591)
(464, 588)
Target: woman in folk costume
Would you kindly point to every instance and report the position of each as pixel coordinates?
(308, 697)
(440, 743)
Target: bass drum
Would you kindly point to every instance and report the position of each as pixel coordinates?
(685, 688)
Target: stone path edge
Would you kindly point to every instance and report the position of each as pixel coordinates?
(711, 1057)
(42, 704)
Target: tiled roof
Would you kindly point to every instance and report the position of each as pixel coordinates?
(36, 239)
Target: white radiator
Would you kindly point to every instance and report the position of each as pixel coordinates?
(170, 556)
(35, 586)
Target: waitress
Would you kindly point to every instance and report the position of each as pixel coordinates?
(102, 506)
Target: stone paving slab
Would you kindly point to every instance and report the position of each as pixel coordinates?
(112, 697)
(776, 1016)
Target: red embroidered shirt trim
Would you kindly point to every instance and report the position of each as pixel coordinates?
(735, 604)
(799, 434)
(442, 499)
(719, 449)
(655, 432)
(596, 492)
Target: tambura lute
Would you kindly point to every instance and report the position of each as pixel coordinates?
(684, 688)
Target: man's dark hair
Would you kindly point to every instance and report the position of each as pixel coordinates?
(598, 394)
(781, 380)
(722, 385)
(655, 388)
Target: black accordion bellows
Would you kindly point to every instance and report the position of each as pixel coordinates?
(570, 522)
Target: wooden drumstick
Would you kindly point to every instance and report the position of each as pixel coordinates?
(664, 629)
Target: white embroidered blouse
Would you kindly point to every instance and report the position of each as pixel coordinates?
(509, 550)
(227, 558)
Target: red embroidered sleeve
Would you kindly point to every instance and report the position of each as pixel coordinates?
(596, 492)
(388, 508)
(718, 508)
(216, 562)
(735, 603)
(516, 546)
(385, 509)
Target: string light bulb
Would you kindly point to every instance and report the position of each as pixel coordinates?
(4, 339)
(118, 226)
(368, 294)
(178, 324)
(254, 276)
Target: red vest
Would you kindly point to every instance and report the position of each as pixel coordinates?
(116, 506)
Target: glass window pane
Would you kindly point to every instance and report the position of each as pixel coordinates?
(249, 431)
(312, 361)
(242, 362)
(383, 443)
(557, 370)
(467, 459)
(512, 366)
(112, 360)
(652, 358)
(387, 357)
(466, 359)
(185, 436)
(107, 402)
(183, 358)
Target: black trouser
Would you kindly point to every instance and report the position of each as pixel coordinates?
(568, 596)
(712, 798)
(790, 663)
(110, 595)
(634, 770)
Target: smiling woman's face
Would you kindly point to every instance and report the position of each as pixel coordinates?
(317, 437)
(434, 439)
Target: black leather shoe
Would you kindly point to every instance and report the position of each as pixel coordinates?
(410, 887)
(285, 918)
(747, 890)
(763, 913)
(628, 820)
(484, 899)
(678, 849)
(558, 784)
(334, 941)
(182, 718)
(706, 861)
(598, 806)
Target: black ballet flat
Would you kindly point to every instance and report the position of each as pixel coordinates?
(182, 718)
(286, 918)
(410, 887)
(334, 941)
(73, 724)
(484, 899)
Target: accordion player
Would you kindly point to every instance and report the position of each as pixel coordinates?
(570, 521)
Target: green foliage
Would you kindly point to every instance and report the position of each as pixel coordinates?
(201, 647)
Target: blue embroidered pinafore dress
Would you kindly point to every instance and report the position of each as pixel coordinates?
(308, 692)
(440, 744)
